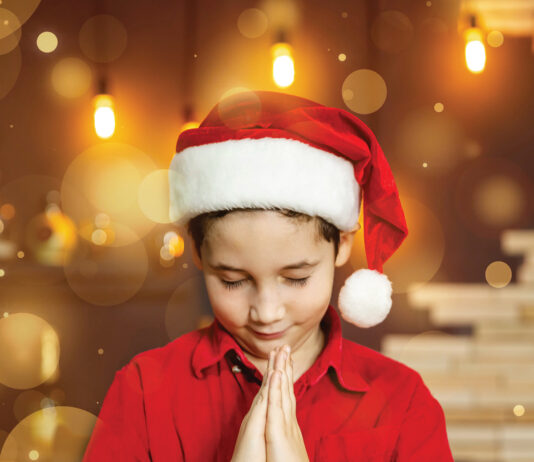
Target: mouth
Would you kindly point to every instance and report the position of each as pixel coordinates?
(268, 336)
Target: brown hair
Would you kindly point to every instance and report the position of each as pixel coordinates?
(198, 226)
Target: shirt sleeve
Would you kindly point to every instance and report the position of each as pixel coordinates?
(120, 430)
(423, 433)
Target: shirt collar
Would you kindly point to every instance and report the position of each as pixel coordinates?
(216, 342)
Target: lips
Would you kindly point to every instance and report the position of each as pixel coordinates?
(269, 335)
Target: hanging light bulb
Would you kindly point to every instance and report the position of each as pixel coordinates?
(283, 65)
(104, 115)
(475, 52)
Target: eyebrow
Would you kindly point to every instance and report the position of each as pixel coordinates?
(301, 264)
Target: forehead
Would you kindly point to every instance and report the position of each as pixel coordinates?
(264, 234)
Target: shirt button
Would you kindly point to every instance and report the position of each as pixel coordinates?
(236, 369)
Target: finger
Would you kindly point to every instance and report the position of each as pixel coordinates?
(279, 359)
(275, 416)
(291, 385)
(286, 401)
(259, 406)
(257, 417)
(270, 364)
(269, 368)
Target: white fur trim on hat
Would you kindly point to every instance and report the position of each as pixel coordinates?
(264, 172)
(365, 298)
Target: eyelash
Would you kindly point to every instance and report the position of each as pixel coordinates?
(235, 284)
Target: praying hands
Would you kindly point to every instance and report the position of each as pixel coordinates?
(270, 431)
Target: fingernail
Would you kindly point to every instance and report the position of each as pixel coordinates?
(287, 348)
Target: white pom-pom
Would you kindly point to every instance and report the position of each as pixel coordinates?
(365, 298)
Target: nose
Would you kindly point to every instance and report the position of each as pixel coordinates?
(266, 307)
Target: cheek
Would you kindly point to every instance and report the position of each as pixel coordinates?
(225, 303)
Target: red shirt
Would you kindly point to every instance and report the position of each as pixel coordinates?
(185, 402)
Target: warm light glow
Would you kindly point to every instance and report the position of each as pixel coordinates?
(498, 274)
(519, 410)
(47, 42)
(176, 246)
(495, 38)
(283, 66)
(71, 77)
(364, 91)
(104, 116)
(189, 125)
(475, 52)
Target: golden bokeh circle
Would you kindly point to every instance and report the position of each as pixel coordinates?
(9, 23)
(252, 23)
(493, 194)
(499, 200)
(47, 42)
(27, 402)
(239, 107)
(108, 275)
(30, 351)
(498, 274)
(7, 211)
(519, 410)
(103, 38)
(55, 434)
(495, 38)
(10, 31)
(22, 9)
(420, 255)
(106, 179)
(71, 77)
(364, 91)
(472, 148)
(392, 31)
(51, 237)
(282, 15)
(154, 195)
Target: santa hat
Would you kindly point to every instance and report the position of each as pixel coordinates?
(267, 149)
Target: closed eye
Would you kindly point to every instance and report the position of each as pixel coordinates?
(235, 284)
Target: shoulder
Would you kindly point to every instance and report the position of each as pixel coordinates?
(175, 356)
(376, 368)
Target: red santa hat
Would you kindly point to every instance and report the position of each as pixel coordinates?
(267, 149)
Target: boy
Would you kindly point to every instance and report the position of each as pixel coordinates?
(269, 186)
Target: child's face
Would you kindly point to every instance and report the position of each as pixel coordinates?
(263, 297)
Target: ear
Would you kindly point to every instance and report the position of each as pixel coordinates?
(346, 239)
(196, 258)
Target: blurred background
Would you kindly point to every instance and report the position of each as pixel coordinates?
(93, 96)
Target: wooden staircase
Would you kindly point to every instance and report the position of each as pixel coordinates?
(484, 381)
